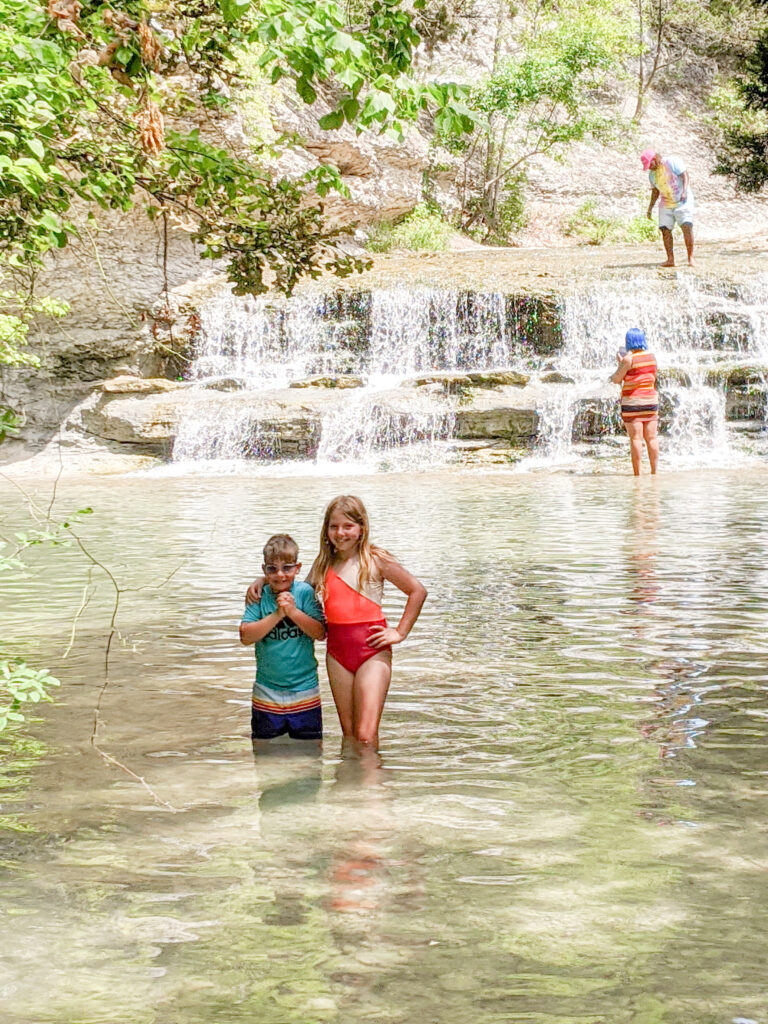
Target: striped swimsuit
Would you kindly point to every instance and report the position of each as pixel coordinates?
(639, 397)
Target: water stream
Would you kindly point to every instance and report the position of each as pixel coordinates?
(388, 337)
(567, 823)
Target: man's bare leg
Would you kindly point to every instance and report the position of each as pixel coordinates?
(666, 237)
(688, 237)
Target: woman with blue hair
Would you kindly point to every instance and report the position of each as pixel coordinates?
(636, 373)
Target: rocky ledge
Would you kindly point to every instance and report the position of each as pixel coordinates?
(291, 422)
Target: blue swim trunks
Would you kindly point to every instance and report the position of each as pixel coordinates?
(298, 714)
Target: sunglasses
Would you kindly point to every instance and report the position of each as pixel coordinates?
(270, 570)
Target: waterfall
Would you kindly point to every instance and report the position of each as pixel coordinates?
(384, 337)
(694, 329)
(248, 396)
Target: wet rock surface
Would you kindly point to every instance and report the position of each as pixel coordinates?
(509, 414)
(456, 383)
(222, 384)
(342, 381)
(127, 385)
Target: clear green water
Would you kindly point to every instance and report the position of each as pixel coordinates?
(568, 821)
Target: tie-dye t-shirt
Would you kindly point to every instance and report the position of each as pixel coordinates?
(668, 179)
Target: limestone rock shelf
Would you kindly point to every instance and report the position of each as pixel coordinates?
(289, 422)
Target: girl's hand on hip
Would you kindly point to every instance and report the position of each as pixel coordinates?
(384, 636)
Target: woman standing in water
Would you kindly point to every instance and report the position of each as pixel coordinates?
(636, 373)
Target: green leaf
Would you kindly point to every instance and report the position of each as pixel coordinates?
(305, 90)
(351, 109)
(36, 147)
(51, 221)
(332, 121)
(342, 42)
(233, 9)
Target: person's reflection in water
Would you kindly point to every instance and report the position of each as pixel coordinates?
(372, 891)
(674, 724)
(671, 724)
(642, 550)
(359, 869)
(304, 764)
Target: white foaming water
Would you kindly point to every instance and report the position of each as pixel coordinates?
(416, 330)
(376, 425)
(692, 330)
(385, 337)
(389, 335)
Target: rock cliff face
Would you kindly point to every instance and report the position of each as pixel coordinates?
(288, 423)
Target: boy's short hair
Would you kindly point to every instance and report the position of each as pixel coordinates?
(281, 546)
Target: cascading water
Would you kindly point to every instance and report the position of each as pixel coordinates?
(694, 330)
(393, 339)
(384, 337)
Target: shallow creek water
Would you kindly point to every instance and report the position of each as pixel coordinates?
(567, 822)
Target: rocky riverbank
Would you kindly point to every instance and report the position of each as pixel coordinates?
(107, 404)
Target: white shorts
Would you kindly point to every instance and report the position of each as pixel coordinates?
(671, 215)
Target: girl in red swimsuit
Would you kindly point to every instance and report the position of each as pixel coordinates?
(348, 576)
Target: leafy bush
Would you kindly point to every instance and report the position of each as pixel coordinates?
(10, 422)
(21, 685)
(510, 217)
(641, 229)
(593, 228)
(424, 229)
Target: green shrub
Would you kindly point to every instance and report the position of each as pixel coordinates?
(10, 423)
(641, 229)
(511, 217)
(424, 229)
(593, 228)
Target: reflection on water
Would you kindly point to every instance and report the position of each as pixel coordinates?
(566, 822)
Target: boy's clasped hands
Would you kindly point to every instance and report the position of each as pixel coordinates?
(286, 603)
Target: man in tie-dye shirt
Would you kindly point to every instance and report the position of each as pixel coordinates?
(669, 183)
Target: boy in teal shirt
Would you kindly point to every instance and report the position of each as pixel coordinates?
(284, 625)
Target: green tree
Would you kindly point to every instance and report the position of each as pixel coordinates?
(541, 100)
(88, 98)
(673, 37)
(742, 117)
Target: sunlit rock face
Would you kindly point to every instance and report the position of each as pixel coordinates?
(518, 353)
(368, 377)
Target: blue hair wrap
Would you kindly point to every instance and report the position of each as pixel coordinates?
(635, 338)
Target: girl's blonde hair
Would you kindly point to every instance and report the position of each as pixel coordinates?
(353, 509)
